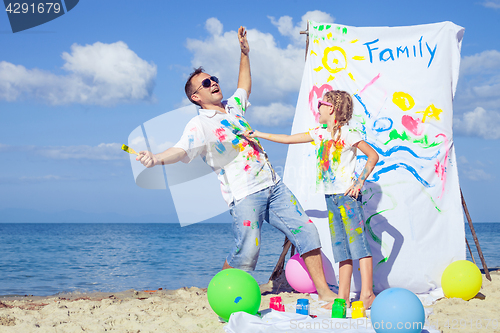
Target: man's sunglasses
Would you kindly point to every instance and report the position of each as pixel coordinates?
(207, 83)
(324, 103)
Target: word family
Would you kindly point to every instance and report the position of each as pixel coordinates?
(409, 51)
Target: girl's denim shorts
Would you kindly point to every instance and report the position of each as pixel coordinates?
(347, 227)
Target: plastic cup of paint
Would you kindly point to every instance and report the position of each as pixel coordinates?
(358, 310)
(275, 303)
(302, 306)
(338, 308)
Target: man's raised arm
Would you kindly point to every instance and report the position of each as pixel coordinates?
(244, 78)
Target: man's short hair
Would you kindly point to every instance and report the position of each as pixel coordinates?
(188, 88)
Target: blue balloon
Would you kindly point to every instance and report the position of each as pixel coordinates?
(397, 310)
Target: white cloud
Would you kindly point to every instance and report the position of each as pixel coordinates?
(214, 26)
(276, 71)
(103, 151)
(165, 145)
(100, 74)
(480, 63)
(183, 103)
(34, 179)
(495, 4)
(286, 28)
(139, 140)
(479, 83)
(275, 114)
(480, 123)
(40, 179)
(487, 90)
(158, 146)
(479, 174)
(471, 171)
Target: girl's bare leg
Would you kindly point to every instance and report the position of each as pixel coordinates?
(366, 268)
(345, 275)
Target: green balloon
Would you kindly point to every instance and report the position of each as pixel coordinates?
(232, 290)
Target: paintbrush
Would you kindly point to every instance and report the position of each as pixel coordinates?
(129, 150)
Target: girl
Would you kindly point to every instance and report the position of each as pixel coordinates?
(336, 144)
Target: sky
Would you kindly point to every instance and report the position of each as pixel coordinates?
(73, 89)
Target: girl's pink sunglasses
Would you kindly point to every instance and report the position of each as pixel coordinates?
(324, 103)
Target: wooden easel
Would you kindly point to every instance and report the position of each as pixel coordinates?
(476, 241)
(279, 268)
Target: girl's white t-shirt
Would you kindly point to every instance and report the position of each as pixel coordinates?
(335, 161)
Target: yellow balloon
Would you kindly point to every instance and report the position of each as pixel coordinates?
(461, 279)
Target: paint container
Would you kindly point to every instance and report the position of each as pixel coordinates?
(275, 304)
(358, 310)
(302, 306)
(338, 308)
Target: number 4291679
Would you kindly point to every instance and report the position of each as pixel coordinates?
(23, 8)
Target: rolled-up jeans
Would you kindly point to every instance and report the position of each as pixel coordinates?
(278, 206)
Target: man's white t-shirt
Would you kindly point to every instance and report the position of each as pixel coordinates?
(241, 164)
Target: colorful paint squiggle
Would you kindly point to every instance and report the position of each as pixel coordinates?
(315, 94)
(347, 213)
(330, 223)
(294, 202)
(363, 105)
(370, 83)
(413, 125)
(376, 175)
(396, 149)
(441, 167)
(424, 142)
(239, 142)
(432, 112)
(368, 226)
(403, 100)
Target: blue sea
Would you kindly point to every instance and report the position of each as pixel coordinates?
(44, 259)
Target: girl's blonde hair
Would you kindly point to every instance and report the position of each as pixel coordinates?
(342, 108)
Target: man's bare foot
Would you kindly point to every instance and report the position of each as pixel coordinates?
(326, 295)
(328, 306)
(367, 300)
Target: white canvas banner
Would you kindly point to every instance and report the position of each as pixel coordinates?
(402, 80)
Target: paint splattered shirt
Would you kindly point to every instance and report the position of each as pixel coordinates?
(241, 164)
(336, 161)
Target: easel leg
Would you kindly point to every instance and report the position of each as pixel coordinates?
(473, 231)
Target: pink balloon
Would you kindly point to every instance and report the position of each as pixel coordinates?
(298, 276)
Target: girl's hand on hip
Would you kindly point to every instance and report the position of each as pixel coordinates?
(354, 190)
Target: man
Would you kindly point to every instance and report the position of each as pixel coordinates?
(249, 184)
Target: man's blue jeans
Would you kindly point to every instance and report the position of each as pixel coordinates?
(278, 206)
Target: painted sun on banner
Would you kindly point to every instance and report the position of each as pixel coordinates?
(402, 80)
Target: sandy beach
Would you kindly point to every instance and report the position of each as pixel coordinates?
(480, 314)
(187, 310)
